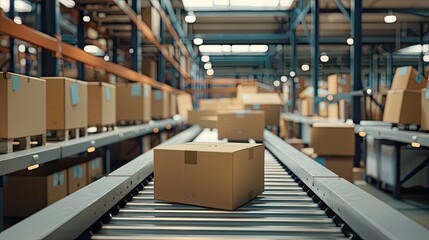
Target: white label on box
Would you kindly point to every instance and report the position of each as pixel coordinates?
(136, 90)
(107, 93)
(16, 83)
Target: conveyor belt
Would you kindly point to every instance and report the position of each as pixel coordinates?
(283, 211)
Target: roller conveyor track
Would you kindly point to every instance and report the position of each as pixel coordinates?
(283, 211)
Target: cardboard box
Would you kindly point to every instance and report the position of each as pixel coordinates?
(403, 107)
(216, 175)
(204, 118)
(101, 104)
(22, 106)
(160, 104)
(172, 104)
(169, 48)
(424, 123)
(184, 104)
(149, 68)
(221, 104)
(133, 102)
(333, 139)
(241, 125)
(77, 177)
(296, 143)
(270, 103)
(407, 78)
(27, 194)
(94, 169)
(343, 166)
(323, 109)
(66, 103)
(333, 110)
(339, 83)
(151, 18)
(307, 107)
(245, 89)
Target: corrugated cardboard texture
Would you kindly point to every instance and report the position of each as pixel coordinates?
(77, 177)
(425, 109)
(23, 108)
(133, 102)
(66, 109)
(333, 139)
(339, 83)
(403, 106)
(160, 104)
(241, 125)
(184, 104)
(343, 166)
(204, 118)
(220, 176)
(407, 78)
(101, 104)
(25, 195)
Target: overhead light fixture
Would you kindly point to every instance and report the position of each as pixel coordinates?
(32, 50)
(198, 41)
(190, 18)
(221, 2)
(131, 51)
(17, 20)
(390, 17)
(86, 18)
(292, 74)
(205, 58)
(21, 48)
(258, 48)
(276, 83)
(207, 66)
(324, 57)
(20, 6)
(101, 15)
(67, 3)
(210, 72)
(226, 48)
(305, 67)
(106, 58)
(94, 50)
(350, 41)
(426, 58)
(283, 79)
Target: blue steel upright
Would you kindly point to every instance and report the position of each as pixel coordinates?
(136, 40)
(50, 25)
(315, 51)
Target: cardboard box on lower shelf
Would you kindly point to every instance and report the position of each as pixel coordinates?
(133, 102)
(160, 104)
(77, 178)
(101, 104)
(216, 175)
(270, 103)
(204, 118)
(343, 166)
(94, 169)
(424, 123)
(241, 125)
(333, 139)
(403, 107)
(27, 194)
(184, 104)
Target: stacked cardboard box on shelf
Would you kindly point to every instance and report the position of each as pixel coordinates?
(337, 84)
(245, 89)
(149, 68)
(133, 102)
(403, 103)
(184, 104)
(66, 103)
(22, 101)
(172, 97)
(160, 104)
(101, 104)
(334, 144)
(204, 118)
(306, 104)
(425, 109)
(270, 103)
(220, 104)
(151, 18)
(216, 175)
(241, 125)
(77, 177)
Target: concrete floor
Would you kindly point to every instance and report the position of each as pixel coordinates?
(415, 207)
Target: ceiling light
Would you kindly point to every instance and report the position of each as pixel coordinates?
(240, 48)
(190, 18)
(205, 58)
(21, 48)
(198, 41)
(283, 79)
(210, 48)
(221, 2)
(324, 57)
(210, 72)
(258, 48)
(350, 41)
(197, 3)
(131, 51)
(20, 6)
(32, 50)
(94, 50)
(106, 58)
(17, 20)
(426, 58)
(276, 83)
(86, 18)
(292, 73)
(101, 15)
(305, 67)
(390, 17)
(207, 66)
(67, 3)
(226, 48)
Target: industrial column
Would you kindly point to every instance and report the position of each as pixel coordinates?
(315, 51)
(355, 67)
(136, 54)
(81, 44)
(293, 60)
(389, 70)
(12, 48)
(161, 60)
(50, 25)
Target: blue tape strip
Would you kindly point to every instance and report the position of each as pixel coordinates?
(61, 179)
(321, 160)
(403, 70)
(158, 95)
(419, 78)
(107, 95)
(74, 91)
(427, 94)
(55, 179)
(16, 83)
(256, 106)
(136, 90)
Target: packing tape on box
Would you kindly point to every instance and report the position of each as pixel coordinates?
(74, 93)
(427, 94)
(58, 179)
(16, 83)
(191, 157)
(146, 90)
(77, 172)
(136, 89)
(158, 95)
(256, 106)
(61, 178)
(419, 78)
(107, 93)
(342, 81)
(403, 70)
(95, 163)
